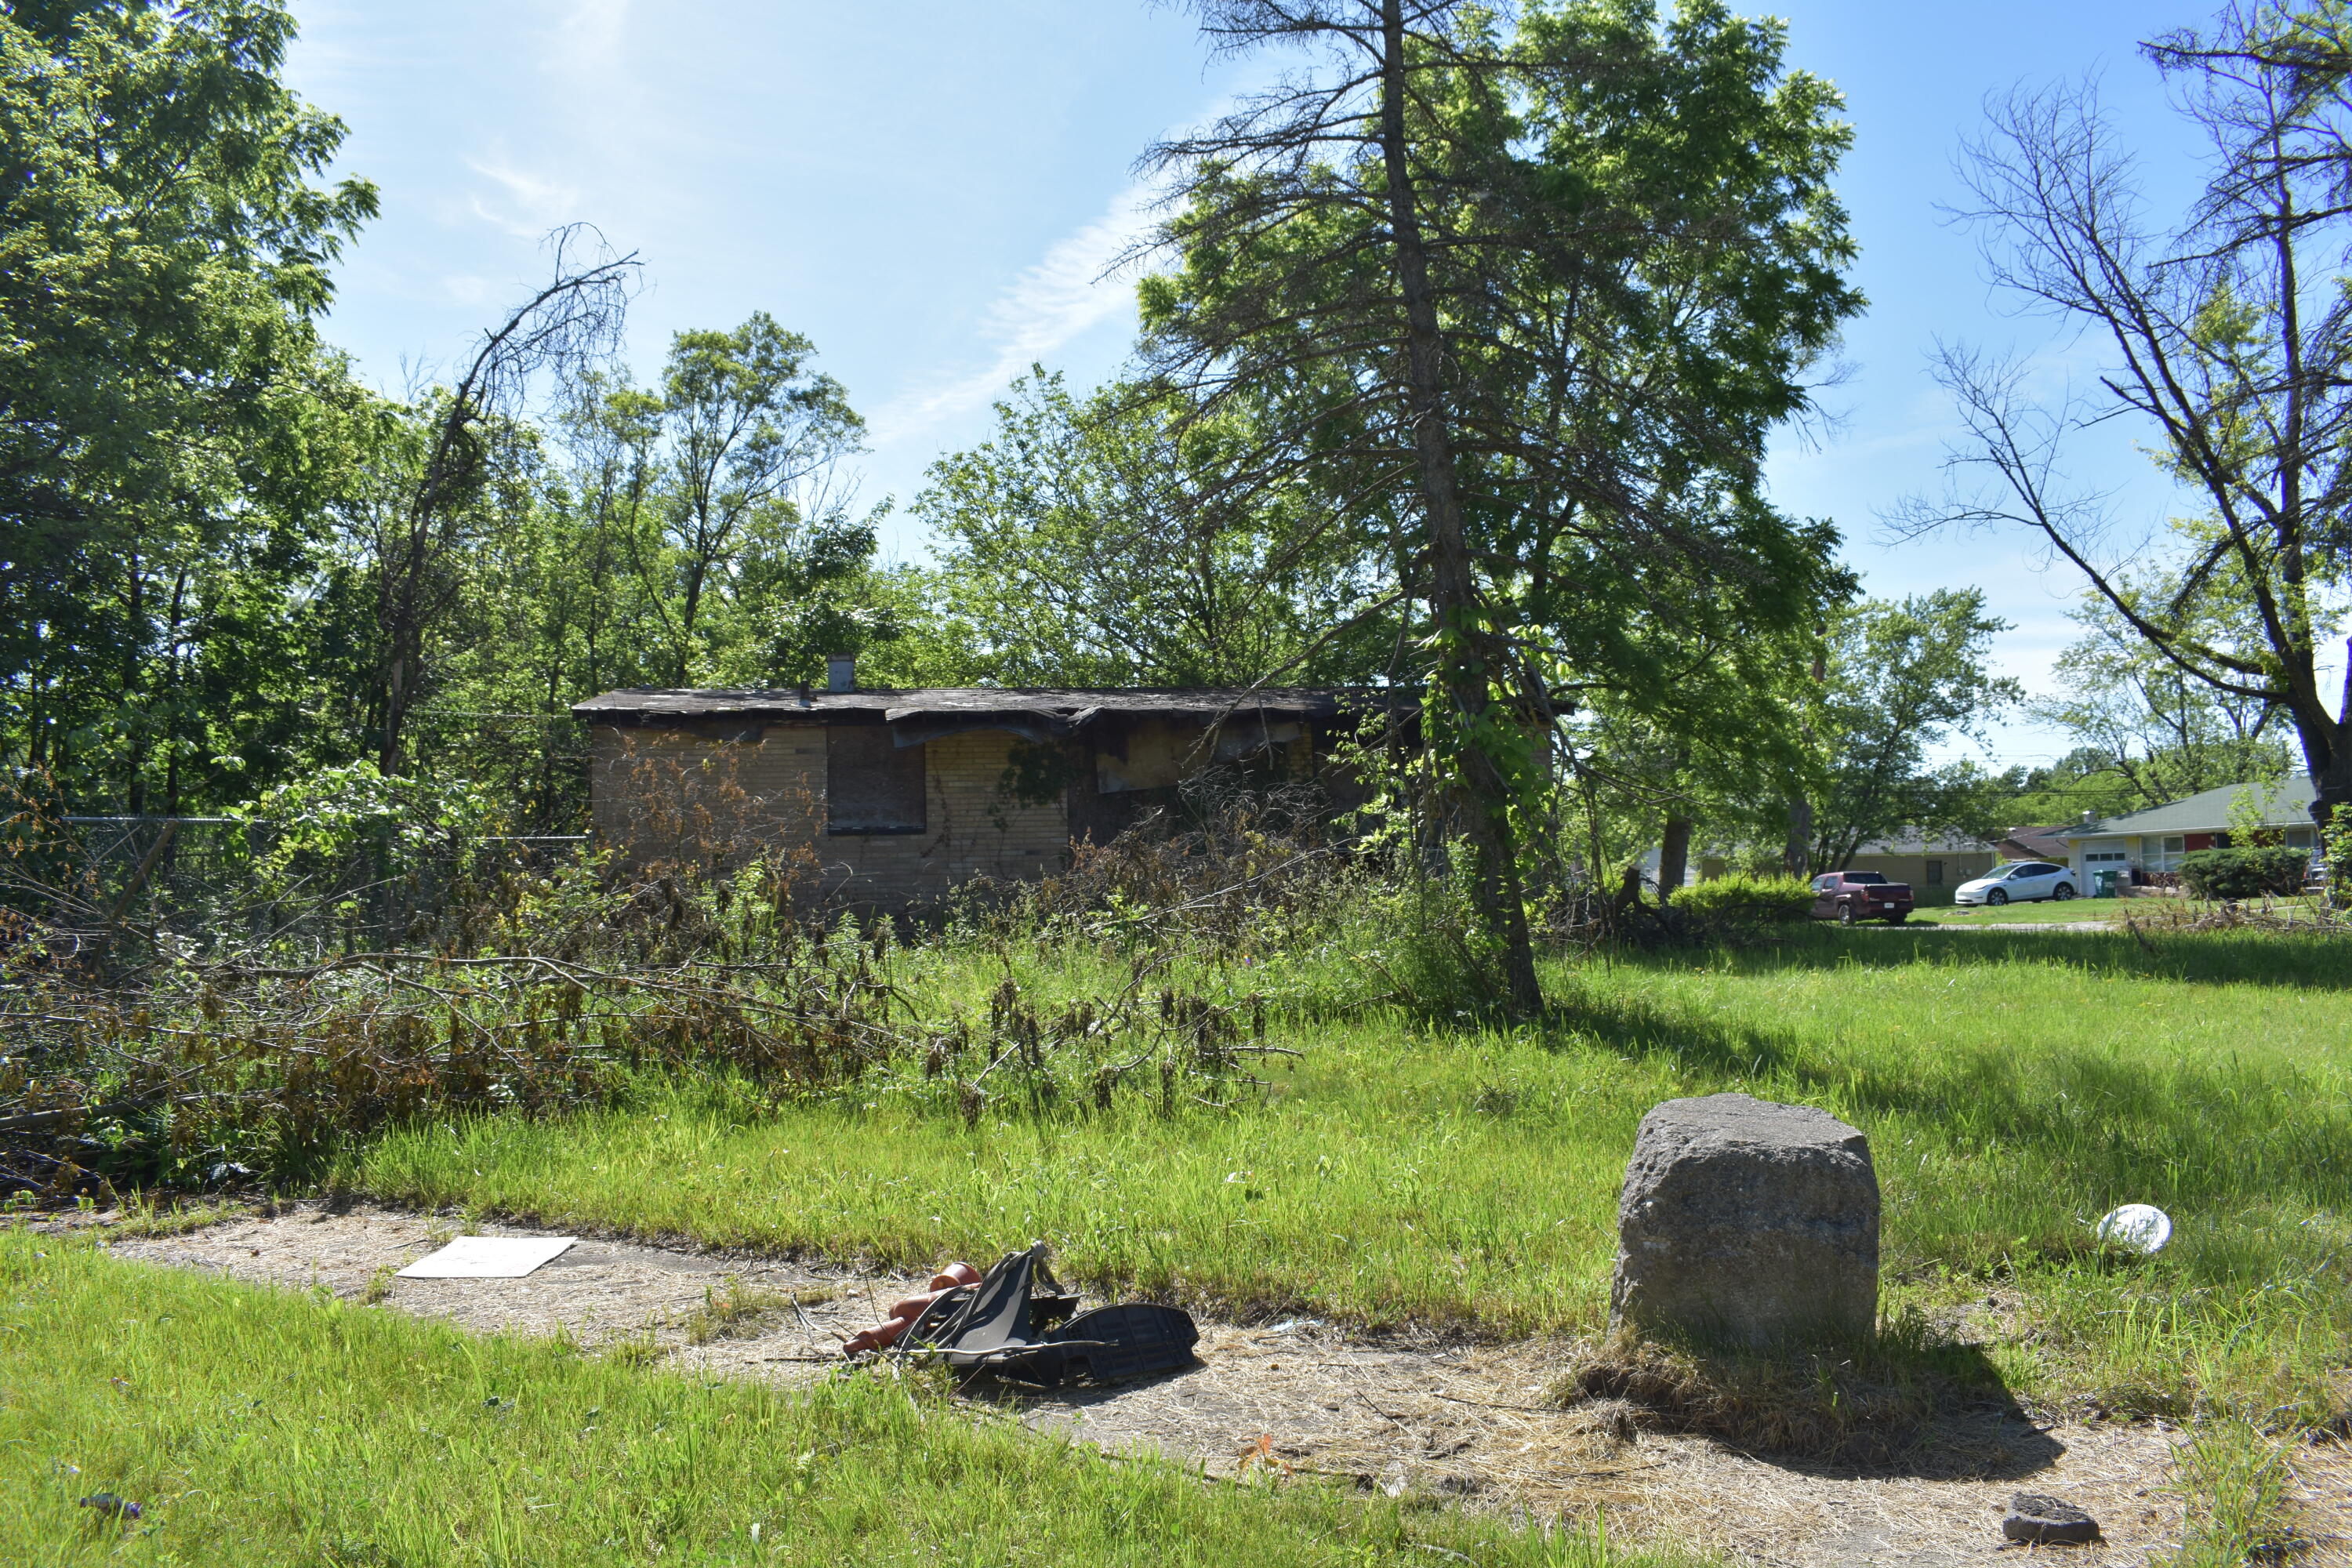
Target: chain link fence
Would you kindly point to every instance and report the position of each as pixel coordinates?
(162, 881)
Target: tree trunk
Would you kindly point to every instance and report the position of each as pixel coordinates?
(1797, 855)
(1462, 674)
(2326, 743)
(1674, 857)
(395, 716)
(135, 791)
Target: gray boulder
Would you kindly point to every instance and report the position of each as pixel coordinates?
(1747, 1223)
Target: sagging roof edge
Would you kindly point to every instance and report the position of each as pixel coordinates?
(1040, 712)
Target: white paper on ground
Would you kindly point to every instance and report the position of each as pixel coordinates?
(487, 1257)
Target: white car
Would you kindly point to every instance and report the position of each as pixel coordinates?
(2023, 882)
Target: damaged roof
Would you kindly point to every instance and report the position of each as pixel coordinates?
(1056, 708)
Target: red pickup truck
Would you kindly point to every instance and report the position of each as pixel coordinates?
(1850, 897)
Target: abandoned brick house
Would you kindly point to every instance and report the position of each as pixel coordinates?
(898, 797)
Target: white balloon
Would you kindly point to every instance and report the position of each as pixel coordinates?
(2142, 1227)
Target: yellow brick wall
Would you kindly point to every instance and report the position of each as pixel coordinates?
(660, 794)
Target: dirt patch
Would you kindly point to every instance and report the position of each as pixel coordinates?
(1427, 1417)
(2319, 1500)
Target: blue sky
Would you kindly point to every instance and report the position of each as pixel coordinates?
(931, 190)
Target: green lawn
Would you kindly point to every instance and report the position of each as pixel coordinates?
(2042, 909)
(2113, 910)
(2015, 1086)
(264, 1427)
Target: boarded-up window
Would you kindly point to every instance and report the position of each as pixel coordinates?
(872, 783)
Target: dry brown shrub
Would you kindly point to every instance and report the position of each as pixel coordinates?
(2167, 916)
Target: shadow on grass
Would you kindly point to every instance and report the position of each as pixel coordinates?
(1907, 1405)
(2232, 958)
(2160, 1129)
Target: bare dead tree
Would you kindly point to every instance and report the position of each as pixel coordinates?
(428, 516)
(2230, 340)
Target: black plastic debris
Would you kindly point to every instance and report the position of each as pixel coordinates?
(2041, 1521)
(1019, 1323)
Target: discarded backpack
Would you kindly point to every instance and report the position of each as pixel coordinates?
(1019, 1323)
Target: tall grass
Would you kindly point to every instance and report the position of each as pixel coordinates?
(1456, 1172)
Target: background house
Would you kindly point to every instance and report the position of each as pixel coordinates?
(2155, 841)
(891, 799)
(2034, 844)
(1926, 861)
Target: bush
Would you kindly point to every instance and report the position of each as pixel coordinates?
(1747, 898)
(2243, 873)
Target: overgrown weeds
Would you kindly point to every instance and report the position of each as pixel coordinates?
(142, 1217)
(1222, 873)
(2236, 1478)
(2286, 917)
(204, 1068)
(739, 1312)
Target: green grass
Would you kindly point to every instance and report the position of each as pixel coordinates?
(2015, 1086)
(259, 1427)
(2111, 910)
(1948, 913)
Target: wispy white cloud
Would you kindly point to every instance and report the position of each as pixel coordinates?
(1071, 288)
(523, 204)
(588, 35)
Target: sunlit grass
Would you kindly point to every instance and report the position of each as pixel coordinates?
(255, 1427)
(2014, 1088)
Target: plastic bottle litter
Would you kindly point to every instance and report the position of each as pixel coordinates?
(2142, 1227)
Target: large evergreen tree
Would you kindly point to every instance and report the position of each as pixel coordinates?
(1546, 285)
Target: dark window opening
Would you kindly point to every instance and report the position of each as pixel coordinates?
(872, 783)
(1935, 873)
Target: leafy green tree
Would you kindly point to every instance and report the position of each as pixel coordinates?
(799, 591)
(170, 426)
(1096, 542)
(708, 539)
(605, 524)
(1899, 680)
(1522, 298)
(2155, 730)
(1696, 762)
(743, 421)
(2084, 780)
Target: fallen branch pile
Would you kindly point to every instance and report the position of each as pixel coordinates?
(191, 1073)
